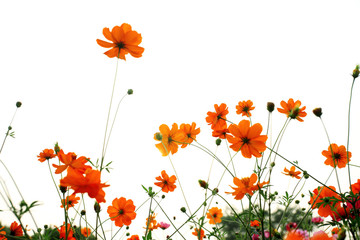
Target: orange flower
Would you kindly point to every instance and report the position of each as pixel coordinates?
(292, 109)
(170, 139)
(244, 108)
(122, 211)
(134, 237)
(246, 185)
(190, 132)
(15, 229)
(320, 235)
(90, 183)
(70, 201)
(255, 223)
(217, 119)
(338, 157)
(2, 234)
(214, 215)
(69, 232)
(152, 223)
(324, 194)
(124, 41)
(200, 235)
(46, 154)
(166, 183)
(247, 139)
(220, 132)
(86, 232)
(294, 235)
(70, 160)
(292, 172)
(356, 187)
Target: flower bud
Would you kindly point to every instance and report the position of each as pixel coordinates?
(158, 136)
(215, 191)
(297, 201)
(56, 148)
(203, 184)
(218, 142)
(18, 104)
(83, 212)
(270, 106)
(183, 209)
(356, 72)
(63, 189)
(272, 164)
(163, 196)
(130, 91)
(46, 226)
(317, 112)
(127, 234)
(97, 207)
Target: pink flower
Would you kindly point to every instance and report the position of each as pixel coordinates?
(163, 225)
(317, 220)
(255, 237)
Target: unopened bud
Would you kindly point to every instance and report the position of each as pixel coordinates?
(183, 209)
(97, 207)
(270, 106)
(130, 91)
(317, 112)
(356, 72)
(158, 136)
(18, 104)
(297, 201)
(215, 191)
(63, 189)
(83, 212)
(56, 148)
(218, 142)
(203, 184)
(272, 164)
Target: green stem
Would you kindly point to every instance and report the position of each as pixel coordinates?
(348, 135)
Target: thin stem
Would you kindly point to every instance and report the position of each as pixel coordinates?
(348, 136)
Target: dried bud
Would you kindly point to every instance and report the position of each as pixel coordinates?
(130, 91)
(270, 106)
(218, 142)
(203, 184)
(356, 72)
(18, 104)
(317, 112)
(97, 207)
(183, 209)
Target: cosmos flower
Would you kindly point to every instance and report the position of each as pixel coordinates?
(123, 40)
(292, 109)
(292, 172)
(166, 183)
(244, 108)
(122, 211)
(337, 157)
(214, 215)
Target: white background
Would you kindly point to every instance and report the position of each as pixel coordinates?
(197, 54)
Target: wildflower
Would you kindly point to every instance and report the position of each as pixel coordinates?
(163, 225)
(90, 183)
(123, 41)
(220, 132)
(246, 185)
(292, 109)
(291, 226)
(247, 139)
(355, 188)
(292, 172)
(122, 211)
(16, 230)
(134, 237)
(170, 139)
(317, 220)
(200, 235)
(86, 232)
(336, 157)
(214, 215)
(255, 223)
(217, 119)
(70, 160)
(151, 223)
(323, 201)
(46, 154)
(244, 108)
(70, 201)
(190, 132)
(294, 235)
(69, 231)
(166, 183)
(255, 237)
(320, 235)
(2, 234)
